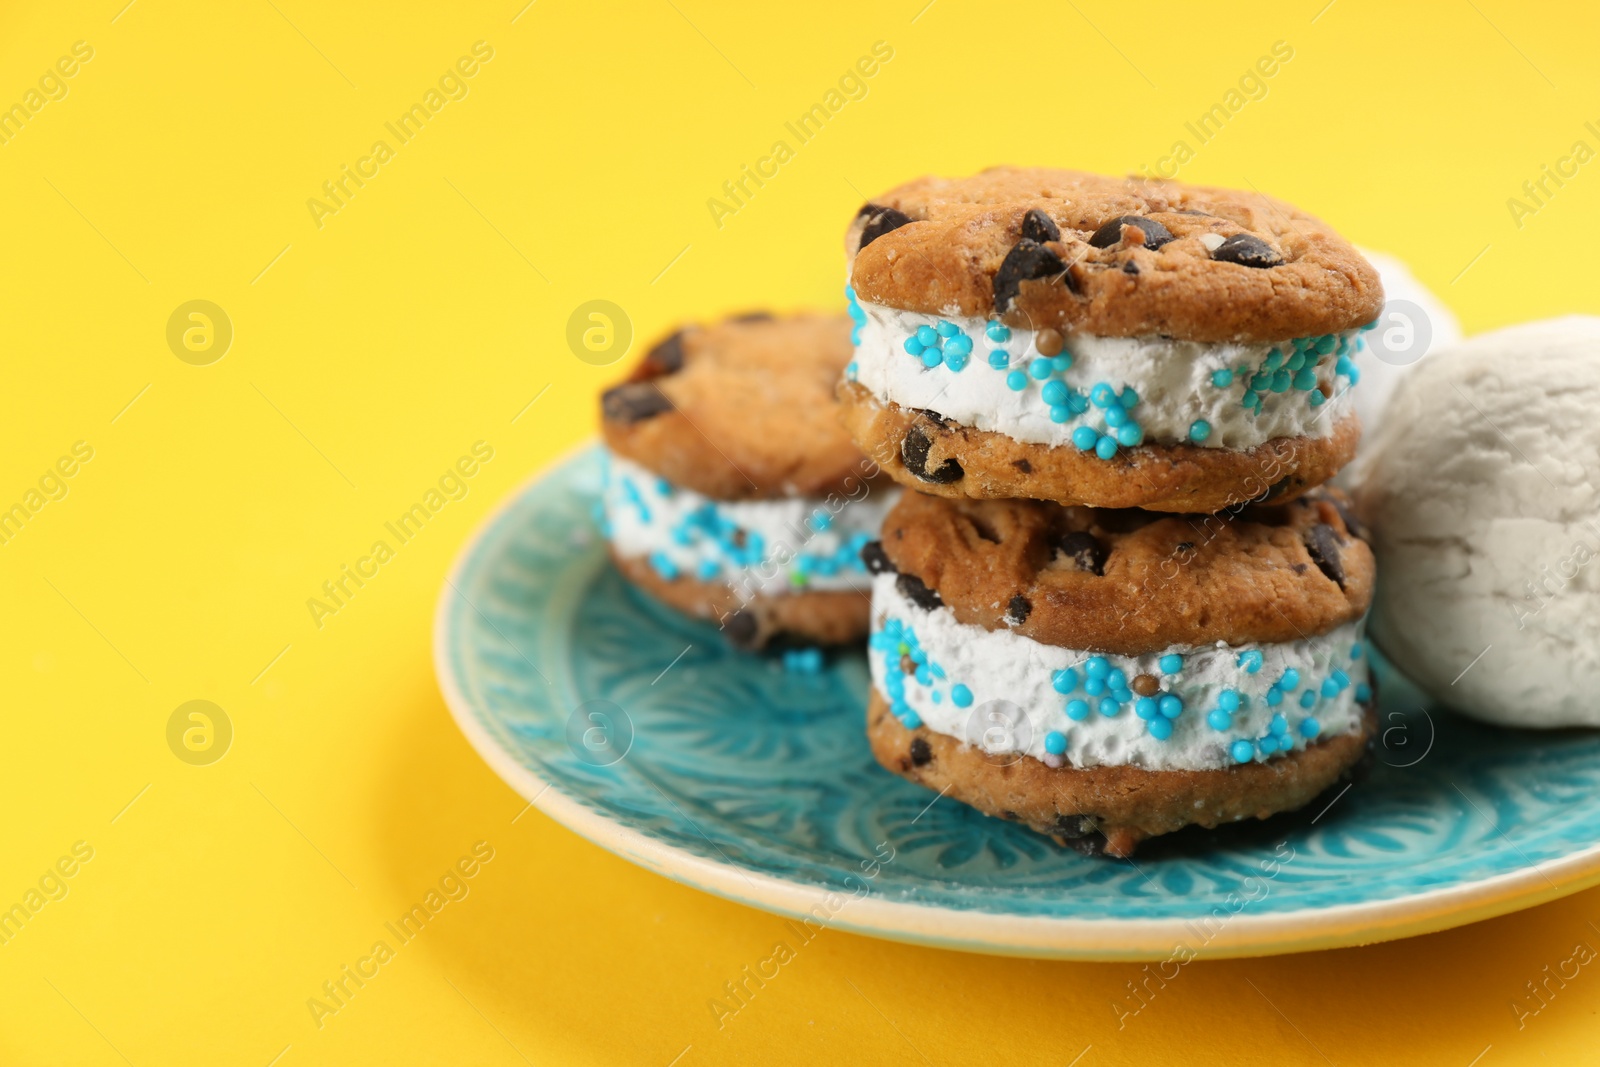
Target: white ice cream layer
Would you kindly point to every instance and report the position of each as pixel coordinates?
(1013, 704)
(760, 547)
(1177, 383)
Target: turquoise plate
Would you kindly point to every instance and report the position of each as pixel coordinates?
(640, 730)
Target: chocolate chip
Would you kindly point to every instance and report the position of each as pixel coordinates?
(1109, 235)
(664, 358)
(1037, 226)
(876, 559)
(1146, 685)
(741, 628)
(880, 220)
(633, 402)
(1130, 267)
(752, 316)
(1017, 612)
(913, 589)
(1091, 845)
(1322, 541)
(914, 453)
(934, 416)
(1342, 506)
(1247, 250)
(1073, 827)
(1022, 465)
(1028, 260)
(921, 751)
(1084, 549)
(1185, 546)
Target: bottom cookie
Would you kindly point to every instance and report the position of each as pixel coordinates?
(821, 617)
(1108, 809)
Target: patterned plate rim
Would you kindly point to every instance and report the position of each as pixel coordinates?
(1040, 936)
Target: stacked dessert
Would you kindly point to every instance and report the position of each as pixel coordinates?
(731, 490)
(1054, 360)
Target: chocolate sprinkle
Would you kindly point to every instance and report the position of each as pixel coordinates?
(1247, 250)
(1322, 541)
(880, 220)
(1028, 260)
(876, 559)
(1037, 226)
(633, 402)
(1109, 235)
(914, 453)
(913, 589)
(1084, 549)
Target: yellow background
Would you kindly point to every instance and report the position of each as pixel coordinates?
(424, 316)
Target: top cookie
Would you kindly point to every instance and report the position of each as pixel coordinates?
(740, 410)
(1117, 257)
(1132, 582)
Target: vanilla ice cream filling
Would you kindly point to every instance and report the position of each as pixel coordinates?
(1208, 707)
(1104, 393)
(759, 547)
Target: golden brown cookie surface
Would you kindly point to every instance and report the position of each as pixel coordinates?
(743, 409)
(1120, 257)
(960, 461)
(1132, 582)
(1109, 809)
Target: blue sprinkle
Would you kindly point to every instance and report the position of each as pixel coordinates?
(1199, 430)
(1064, 681)
(1228, 700)
(1274, 697)
(663, 566)
(1040, 369)
(1054, 393)
(1171, 705)
(1290, 679)
(1116, 416)
(1116, 679)
(1106, 447)
(1222, 378)
(1251, 661)
(1094, 686)
(1273, 361)
(997, 332)
(1171, 663)
(1160, 729)
(910, 720)
(1077, 710)
(1055, 742)
(1108, 707)
(1330, 688)
(1061, 363)
(1130, 434)
(1280, 381)
(954, 359)
(851, 369)
(1121, 696)
(1363, 693)
(1096, 667)
(1340, 679)
(1218, 719)
(1355, 650)
(913, 346)
(821, 520)
(1279, 725)
(932, 357)
(1242, 751)
(1315, 399)
(960, 695)
(999, 359)
(927, 336)
(960, 343)
(923, 675)
(1129, 399)
(936, 696)
(1147, 708)
(1308, 698)
(1102, 395)
(1269, 744)
(946, 329)
(1017, 381)
(1060, 413)
(1305, 380)
(1310, 727)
